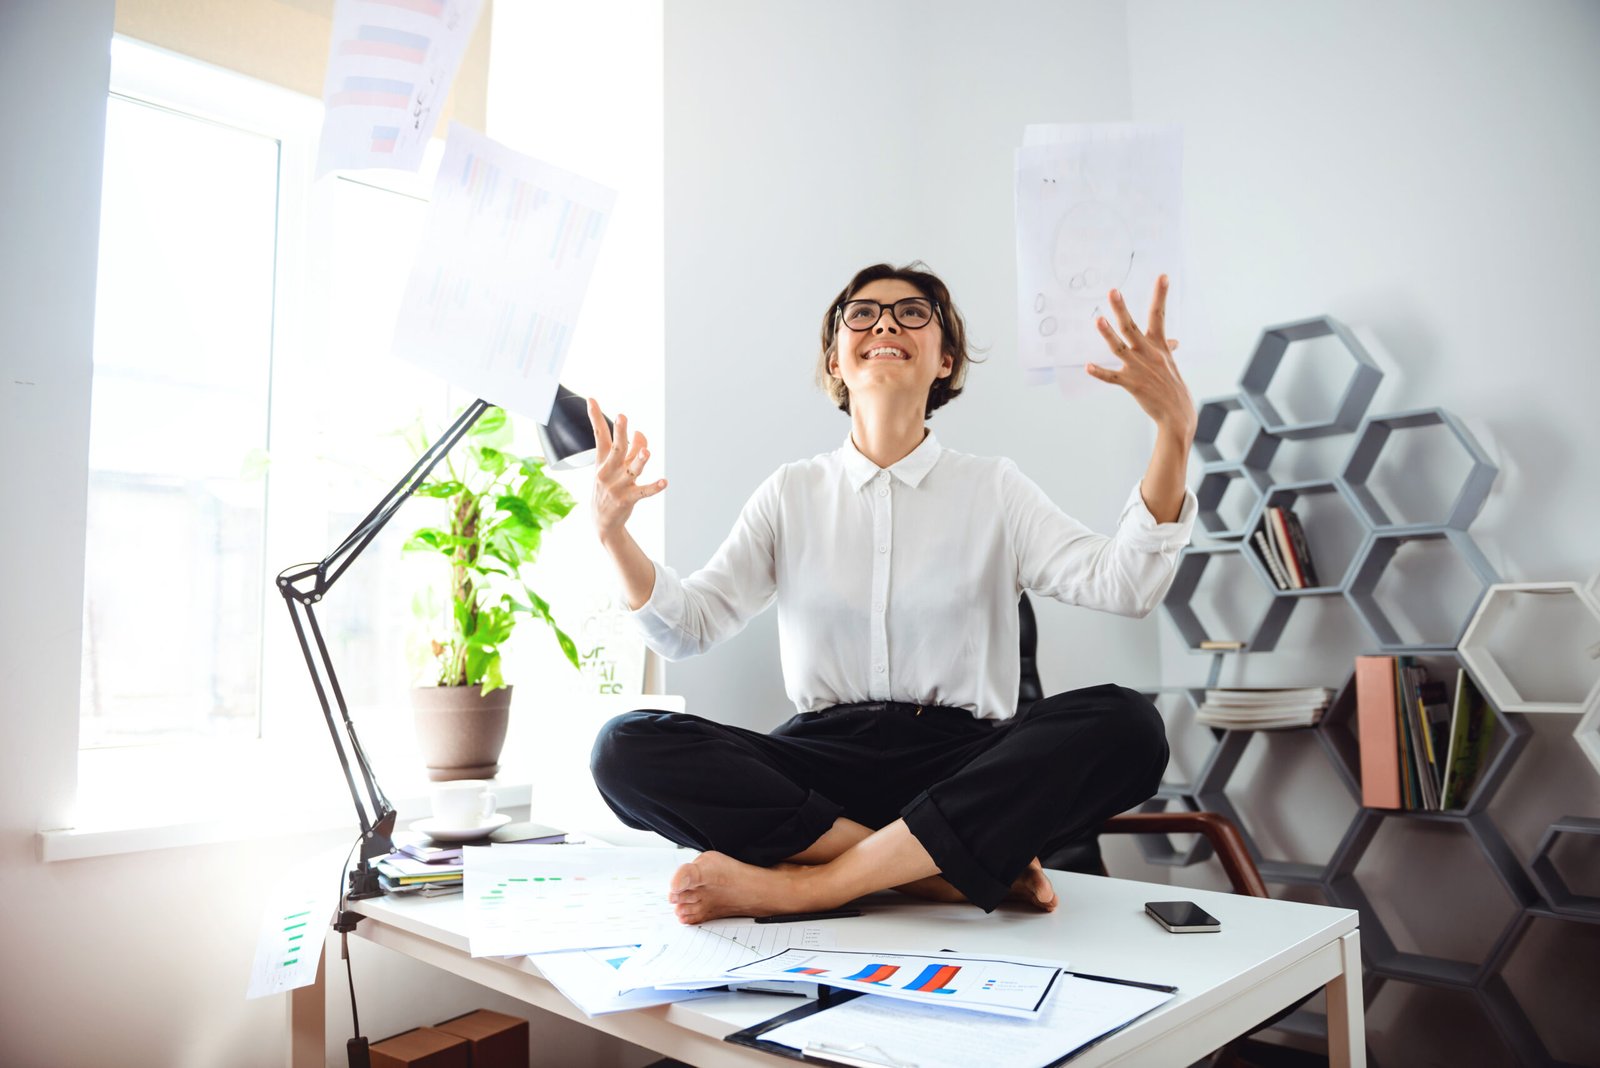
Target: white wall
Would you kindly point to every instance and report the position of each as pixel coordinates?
(1423, 171)
(771, 207)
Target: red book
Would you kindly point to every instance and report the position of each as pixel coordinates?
(1281, 538)
(1377, 725)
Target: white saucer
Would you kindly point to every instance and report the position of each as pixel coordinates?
(461, 834)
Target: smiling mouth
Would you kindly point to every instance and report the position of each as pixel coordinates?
(886, 352)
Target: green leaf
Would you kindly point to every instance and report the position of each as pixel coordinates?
(567, 645)
(439, 489)
(490, 423)
(547, 499)
(491, 460)
(492, 679)
(518, 509)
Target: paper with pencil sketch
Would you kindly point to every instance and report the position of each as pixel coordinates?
(1077, 1012)
(1098, 207)
(1008, 986)
(539, 899)
(687, 957)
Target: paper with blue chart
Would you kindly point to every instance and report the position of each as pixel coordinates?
(1006, 986)
(500, 277)
(686, 957)
(1098, 207)
(390, 67)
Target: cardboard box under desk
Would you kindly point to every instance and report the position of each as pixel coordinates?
(494, 1039)
(422, 1047)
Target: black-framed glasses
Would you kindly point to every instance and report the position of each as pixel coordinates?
(910, 312)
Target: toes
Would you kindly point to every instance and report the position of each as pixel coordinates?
(686, 876)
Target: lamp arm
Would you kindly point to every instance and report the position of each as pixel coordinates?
(302, 587)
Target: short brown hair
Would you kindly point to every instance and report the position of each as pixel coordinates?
(944, 390)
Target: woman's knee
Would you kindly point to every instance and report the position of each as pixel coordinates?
(1139, 733)
(623, 742)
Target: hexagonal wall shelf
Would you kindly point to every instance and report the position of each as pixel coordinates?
(1561, 897)
(1376, 943)
(1219, 481)
(1211, 793)
(1192, 563)
(1364, 454)
(1375, 556)
(1587, 733)
(1213, 414)
(1495, 612)
(1333, 551)
(1352, 404)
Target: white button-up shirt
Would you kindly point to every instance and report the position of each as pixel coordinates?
(902, 584)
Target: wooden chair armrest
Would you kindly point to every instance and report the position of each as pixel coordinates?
(1225, 839)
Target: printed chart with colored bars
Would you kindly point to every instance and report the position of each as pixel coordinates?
(1008, 986)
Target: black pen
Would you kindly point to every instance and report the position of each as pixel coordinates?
(798, 917)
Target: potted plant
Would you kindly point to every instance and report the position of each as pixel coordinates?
(500, 505)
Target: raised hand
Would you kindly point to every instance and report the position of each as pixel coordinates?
(619, 463)
(1148, 370)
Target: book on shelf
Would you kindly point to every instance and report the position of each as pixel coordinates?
(1302, 550)
(1283, 549)
(1269, 560)
(1419, 749)
(1263, 708)
(1376, 732)
(1471, 733)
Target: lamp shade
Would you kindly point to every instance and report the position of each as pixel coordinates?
(567, 440)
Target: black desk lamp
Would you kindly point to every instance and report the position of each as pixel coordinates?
(568, 441)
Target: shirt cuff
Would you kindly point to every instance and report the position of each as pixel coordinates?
(664, 609)
(1141, 529)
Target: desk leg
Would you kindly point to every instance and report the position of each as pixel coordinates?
(1347, 1028)
(308, 1020)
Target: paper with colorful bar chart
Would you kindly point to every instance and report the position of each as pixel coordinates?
(495, 291)
(1007, 986)
(390, 67)
(541, 899)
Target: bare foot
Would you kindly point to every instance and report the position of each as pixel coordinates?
(714, 885)
(1033, 888)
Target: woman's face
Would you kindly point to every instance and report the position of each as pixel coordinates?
(887, 356)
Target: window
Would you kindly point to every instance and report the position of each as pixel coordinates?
(246, 413)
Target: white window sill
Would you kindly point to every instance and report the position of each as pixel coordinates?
(231, 798)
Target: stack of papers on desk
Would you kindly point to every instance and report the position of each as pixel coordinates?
(400, 874)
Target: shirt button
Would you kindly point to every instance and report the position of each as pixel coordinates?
(884, 492)
(880, 669)
(883, 548)
(878, 607)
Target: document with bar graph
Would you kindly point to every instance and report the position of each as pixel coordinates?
(1007, 986)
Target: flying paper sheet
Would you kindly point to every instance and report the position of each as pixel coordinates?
(1098, 208)
(294, 922)
(502, 272)
(540, 899)
(390, 65)
(1008, 986)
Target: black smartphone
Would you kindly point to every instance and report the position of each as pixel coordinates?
(1182, 917)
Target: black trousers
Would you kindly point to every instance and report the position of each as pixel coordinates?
(983, 797)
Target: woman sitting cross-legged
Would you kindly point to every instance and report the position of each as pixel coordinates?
(896, 565)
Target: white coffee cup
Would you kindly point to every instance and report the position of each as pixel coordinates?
(463, 803)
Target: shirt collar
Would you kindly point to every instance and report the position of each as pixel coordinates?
(911, 469)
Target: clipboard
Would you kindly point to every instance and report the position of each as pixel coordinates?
(867, 1056)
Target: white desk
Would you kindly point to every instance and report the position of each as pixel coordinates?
(1268, 955)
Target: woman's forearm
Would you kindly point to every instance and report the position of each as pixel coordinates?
(636, 570)
(1165, 480)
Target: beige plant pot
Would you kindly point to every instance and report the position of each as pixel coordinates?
(460, 731)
